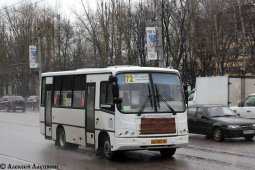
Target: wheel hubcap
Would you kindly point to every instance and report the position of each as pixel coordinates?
(217, 134)
(107, 148)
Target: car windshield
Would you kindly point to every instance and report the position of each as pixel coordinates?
(140, 92)
(16, 98)
(220, 111)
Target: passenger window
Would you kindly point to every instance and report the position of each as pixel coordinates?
(106, 98)
(200, 113)
(66, 91)
(79, 91)
(57, 88)
(249, 102)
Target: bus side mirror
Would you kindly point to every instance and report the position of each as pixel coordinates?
(115, 90)
(117, 100)
(186, 93)
(113, 79)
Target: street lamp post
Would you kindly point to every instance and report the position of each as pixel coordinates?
(160, 38)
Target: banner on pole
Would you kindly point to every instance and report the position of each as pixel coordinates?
(33, 57)
(151, 35)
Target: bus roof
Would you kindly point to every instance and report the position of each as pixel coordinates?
(112, 69)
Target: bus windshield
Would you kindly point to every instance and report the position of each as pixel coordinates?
(150, 93)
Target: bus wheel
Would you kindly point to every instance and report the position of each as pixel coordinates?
(106, 148)
(167, 152)
(61, 138)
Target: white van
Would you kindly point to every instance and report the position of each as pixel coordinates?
(246, 108)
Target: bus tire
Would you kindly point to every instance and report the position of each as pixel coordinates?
(167, 152)
(61, 138)
(106, 149)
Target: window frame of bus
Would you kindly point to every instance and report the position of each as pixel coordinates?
(108, 106)
(43, 91)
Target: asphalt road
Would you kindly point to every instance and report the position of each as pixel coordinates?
(23, 147)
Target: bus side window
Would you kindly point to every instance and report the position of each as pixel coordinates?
(57, 87)
(66, 91)
(106, 97)
(79, 91)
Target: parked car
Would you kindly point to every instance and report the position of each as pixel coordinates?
(219, 122)
(13, 103)
(33, 102)
(246, 108)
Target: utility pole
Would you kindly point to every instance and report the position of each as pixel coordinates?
(39, 53)
(159, 4)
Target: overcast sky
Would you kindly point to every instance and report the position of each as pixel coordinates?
(64, 6)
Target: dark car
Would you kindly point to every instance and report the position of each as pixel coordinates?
(13, 103)
(33, 102)
(219, 122)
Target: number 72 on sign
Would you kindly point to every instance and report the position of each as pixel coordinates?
(129, 78)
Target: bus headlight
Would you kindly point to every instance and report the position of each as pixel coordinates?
(127, 133)
(183, 131)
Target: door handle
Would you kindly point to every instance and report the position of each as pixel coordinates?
(248, 111)
(97, 119)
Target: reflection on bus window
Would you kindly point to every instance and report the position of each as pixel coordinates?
(66, 98)
(78, 98)
(106, 98)
(79, 91)
(66, 91)
(56, 98)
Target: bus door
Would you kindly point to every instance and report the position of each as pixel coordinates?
(90, 114)
(48, 110)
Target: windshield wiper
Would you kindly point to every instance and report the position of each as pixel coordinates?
(145, 102)
(159, 96)
(228, 115)
(223, 115)
(218, 116)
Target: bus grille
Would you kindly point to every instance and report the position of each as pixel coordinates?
(157, 126)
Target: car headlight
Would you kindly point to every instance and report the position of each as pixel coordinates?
(233, 126)
(253, 126)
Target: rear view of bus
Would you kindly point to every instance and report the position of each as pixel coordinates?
(125, 108)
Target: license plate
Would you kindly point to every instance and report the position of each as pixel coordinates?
(245, 132)
(159, 141)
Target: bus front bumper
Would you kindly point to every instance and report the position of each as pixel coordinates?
(149, 143)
